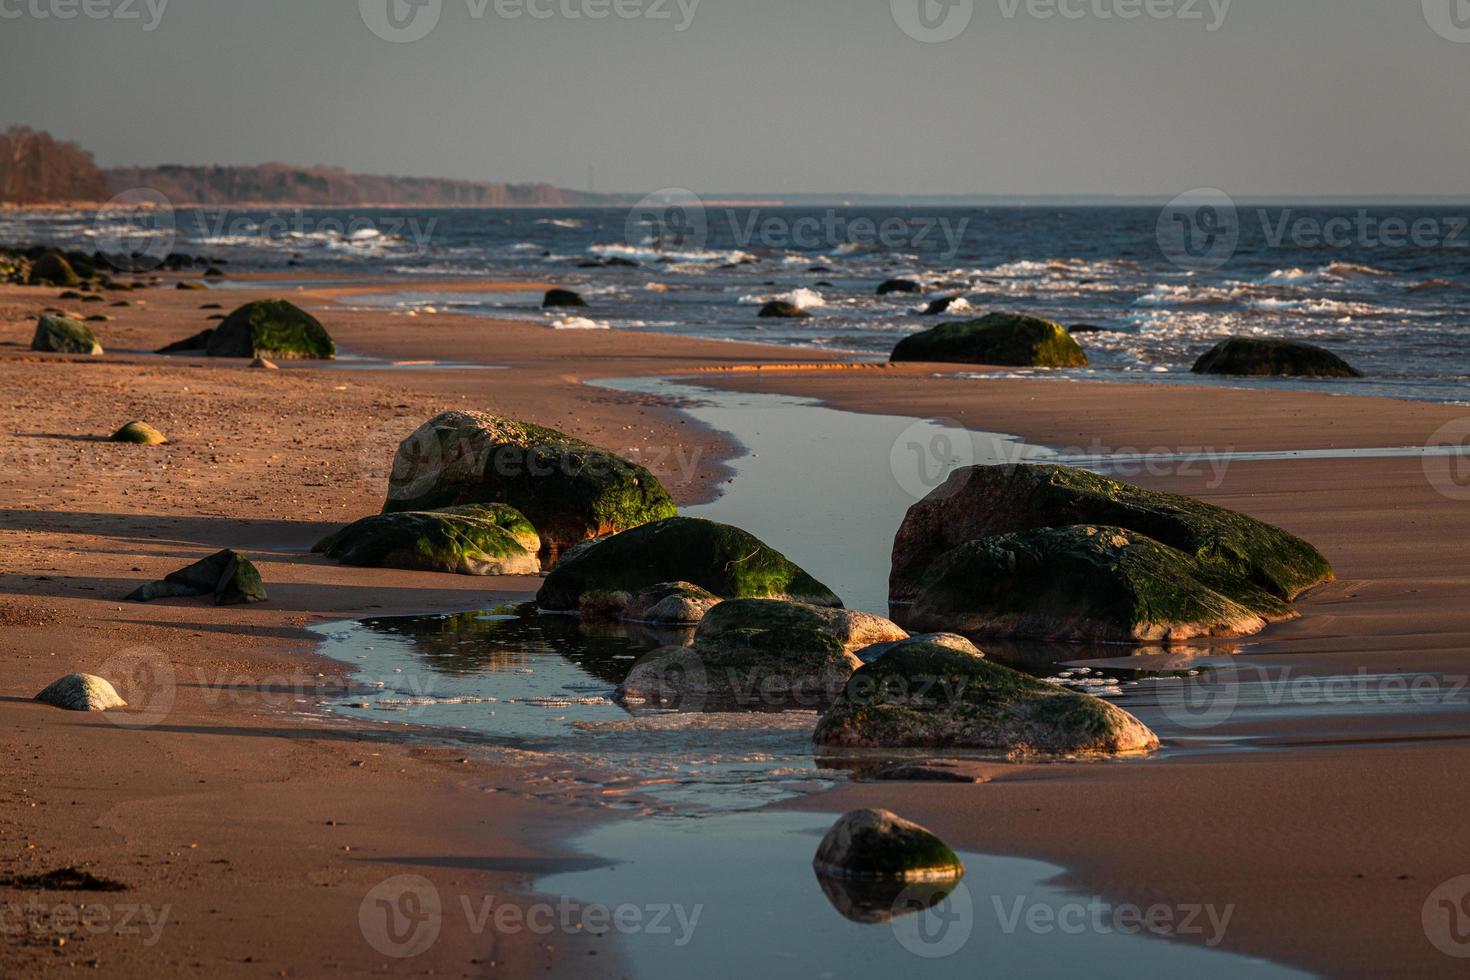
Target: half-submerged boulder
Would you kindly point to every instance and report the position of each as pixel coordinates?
(922, 695)
(906, 286)
(271, 328)
(670, 604)
(570, 490)
(980, 501)
(228, 576)
(1273, 357)
(782, 309)
(868, 845)
(556, 298)
(63, 335)
(1088, 584)
(1004, 339)
(139, 434)
(724, 560)
(52, 269)
(81, 692)
(758, 655)
(471, 540)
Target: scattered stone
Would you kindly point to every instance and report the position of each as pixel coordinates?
(190, 284)
(670, 604)
(943, 305)
(51, 269)
(81, 692)
(140, 434)
(263, 364)
(99, 318)
(900, 286)
(562, 297)
(473, 540)
(876, 844)
(230, 577)
(1004, 339)
(214, 272)
(1271, 357)
(783, 309)
(64, 335)
(927, 772)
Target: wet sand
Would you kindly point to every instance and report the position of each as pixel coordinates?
(269, 461)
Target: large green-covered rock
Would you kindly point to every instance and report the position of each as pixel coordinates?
(271, 328)
(878, 845)
(571, 490)
(759, 655)
(52, 269)
(139, 434)
(981, 501)
(922, 695)
(1087, 584)
(63, 335)
(228, 576)
(1006, 339)
(472, 540)
(725, 560)
(1273, 357)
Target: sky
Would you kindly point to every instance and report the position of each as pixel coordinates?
(1256, 97)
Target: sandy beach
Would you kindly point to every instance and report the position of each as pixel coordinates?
(249, 814)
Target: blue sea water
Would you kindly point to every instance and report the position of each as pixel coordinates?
(1385, 287)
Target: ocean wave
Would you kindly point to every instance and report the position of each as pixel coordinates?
(806, 299)
(579, 323)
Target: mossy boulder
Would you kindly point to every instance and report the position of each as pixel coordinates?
(228, 576)
(139, 434)
(465, 540)
(1004, 339)
(868, 845)
(63, 335)
(570, 490)
(561, 298)
(1272, 357)
(1087, 584)
(780, 309)
(952, 641)
(923, 695)
(854, 630)
(81, 692)
(52, 269)
(980, 501)
(724, 560)
(271, 328)
(670, 604)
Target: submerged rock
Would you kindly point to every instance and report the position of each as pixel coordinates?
(724, 560)
(980, 501)
(140, 434)
(943, 305)
(1271, 357)
(63, 335)
(670, 604)
(907, 286)
(469, 540)
(271, 328)
(1087, 584)
(878, 845)
(570, 490)
(928, 696)
(228, 576)
(81, 692)
(52, 269)
(561, 298)
(782, 309)
(1005, 339)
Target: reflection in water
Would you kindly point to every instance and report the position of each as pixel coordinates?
(875, 902)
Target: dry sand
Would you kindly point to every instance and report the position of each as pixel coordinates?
(239, 808)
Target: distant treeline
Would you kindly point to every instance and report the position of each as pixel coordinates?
(36, 169)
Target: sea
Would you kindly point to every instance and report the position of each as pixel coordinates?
(1383, 286)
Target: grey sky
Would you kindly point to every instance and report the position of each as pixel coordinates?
(1286, 97)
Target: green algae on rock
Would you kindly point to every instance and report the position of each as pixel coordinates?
(139, 434)
(63, 335)
(1087, 584)
(1273, 357)
(670, 604)
(724, 560)
(1005, 339)
(980, 501)
(228, 576)
(879, 845)
(923, 695)
(52, 269)
(466, 541)
(270, 328)
(570, 490)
